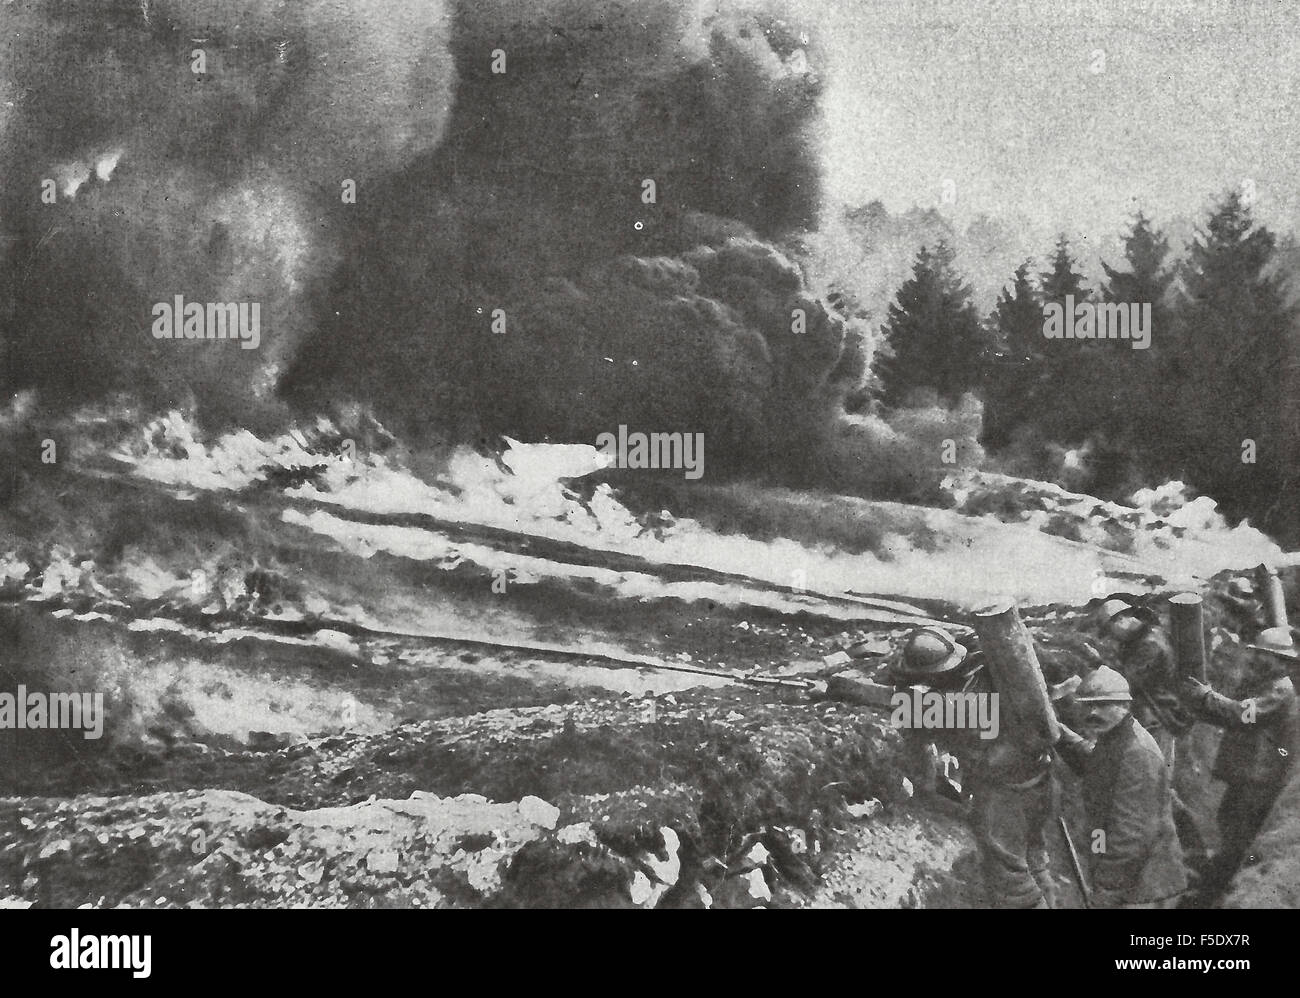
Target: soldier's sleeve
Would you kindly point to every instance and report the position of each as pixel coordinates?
(1073, 748)
(1229, 713)
(1132, 825)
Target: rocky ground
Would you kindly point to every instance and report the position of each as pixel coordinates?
(732, 797)
(671, 800)
(332, 686)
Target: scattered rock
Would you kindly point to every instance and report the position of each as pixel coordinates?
(746, 890)
(871, 808)
(645, 893)
(579, 834)
(265, 741)
(539, 812)
(263, 855)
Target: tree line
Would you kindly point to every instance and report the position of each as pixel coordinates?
(1209, 402)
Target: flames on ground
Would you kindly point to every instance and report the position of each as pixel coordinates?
(258, 610)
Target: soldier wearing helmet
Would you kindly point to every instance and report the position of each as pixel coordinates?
(1146, 660)
(1013, 795)
(1245, 609)
(932, 656)
(1257, 750)
(1136, 861)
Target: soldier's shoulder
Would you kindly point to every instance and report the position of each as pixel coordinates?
(1142, 744)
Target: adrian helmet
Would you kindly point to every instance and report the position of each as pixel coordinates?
(932, 656)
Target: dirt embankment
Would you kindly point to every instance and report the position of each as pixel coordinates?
(740, 785)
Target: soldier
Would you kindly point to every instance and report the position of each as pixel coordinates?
(1146, 660)
(1136, 859)
(1013, 793)
(1255, 756)
(1245, 609)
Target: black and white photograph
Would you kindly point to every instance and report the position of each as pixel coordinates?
(651, 454)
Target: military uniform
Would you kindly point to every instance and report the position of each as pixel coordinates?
(1254, 760)
(1147, 661)
(1135, 860)
(1013, 794)
(1013, 800)
(1246, 616)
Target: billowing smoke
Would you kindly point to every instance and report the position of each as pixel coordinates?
(569, 215)
(908, 457)
(593, 242)
(157, 148)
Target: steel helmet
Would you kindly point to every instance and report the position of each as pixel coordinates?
(1117, 606)
(1241, 588)
(1126, 620)
(930, 654)
(1276, 640)
(1103, 685)
(1113, 607)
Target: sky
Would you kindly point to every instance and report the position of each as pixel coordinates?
(1067, 114)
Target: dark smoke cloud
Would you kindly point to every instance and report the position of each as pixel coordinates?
(214, 186)
(314, 90)
(675, 315)
(477, 192)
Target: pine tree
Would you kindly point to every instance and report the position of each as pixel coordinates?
(1018, 318)
(1016, 365)
(1070, 378)
(1147, 279)
(1230, 356)
(1062, 279)
(933, 338)
(1131, 392)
